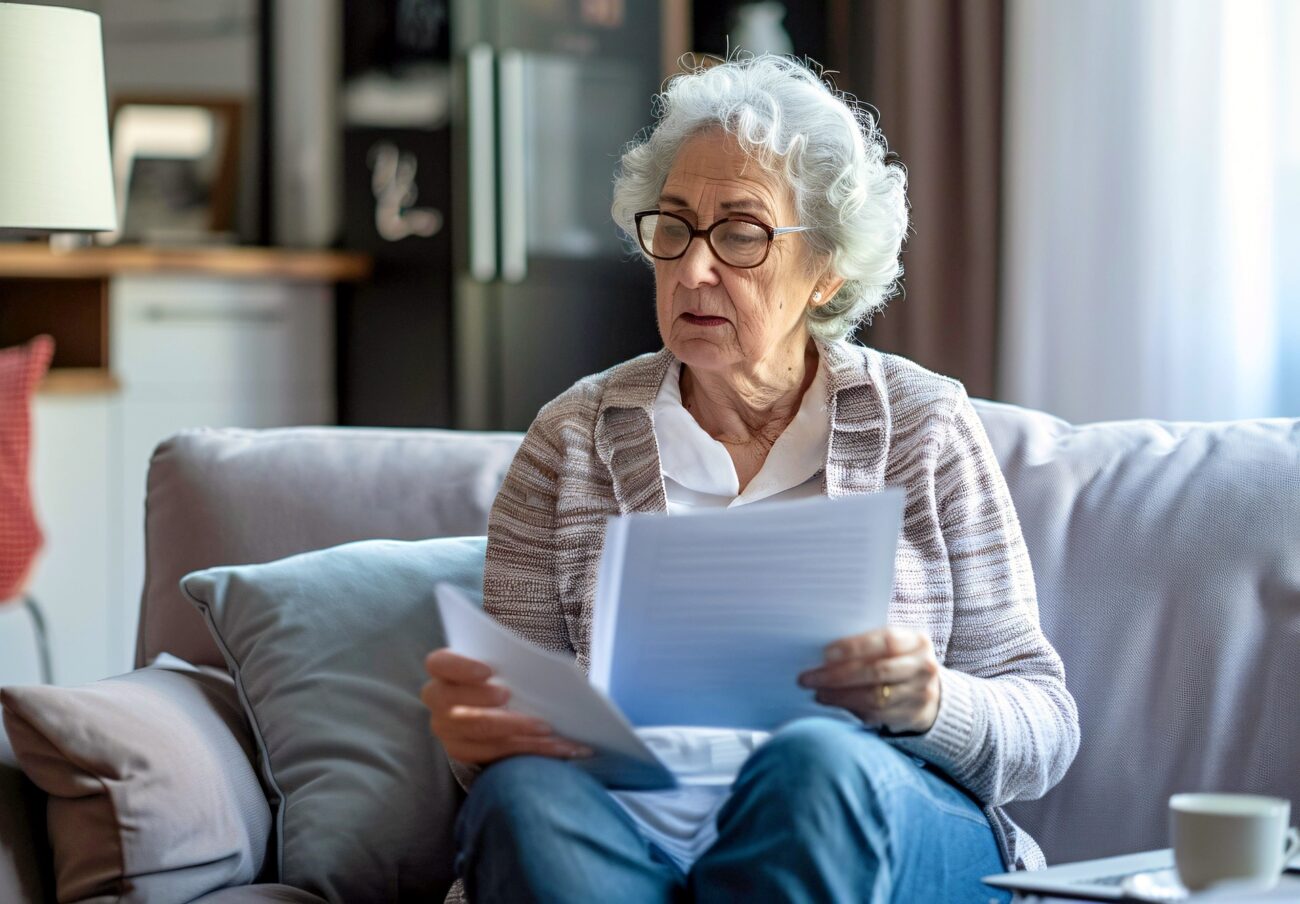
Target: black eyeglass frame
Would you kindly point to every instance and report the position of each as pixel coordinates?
(707, 234)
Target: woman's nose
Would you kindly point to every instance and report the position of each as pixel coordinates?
(698, 266)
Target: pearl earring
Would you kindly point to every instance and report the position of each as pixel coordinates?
(817, 296)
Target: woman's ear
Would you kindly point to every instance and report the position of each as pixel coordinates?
(824, 290)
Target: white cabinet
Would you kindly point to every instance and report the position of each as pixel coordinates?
(174, 336)
(187, 352)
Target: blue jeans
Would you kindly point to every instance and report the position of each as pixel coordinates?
(825, 811)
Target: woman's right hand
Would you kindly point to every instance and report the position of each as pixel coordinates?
(469, 718)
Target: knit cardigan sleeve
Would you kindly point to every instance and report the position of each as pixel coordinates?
(520, 589)
(1007, 728)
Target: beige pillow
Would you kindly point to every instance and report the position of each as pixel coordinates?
(152, 791)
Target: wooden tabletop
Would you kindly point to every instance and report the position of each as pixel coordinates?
(32, 260)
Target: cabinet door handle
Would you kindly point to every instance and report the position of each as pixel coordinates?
(482, 164)
(160, 314)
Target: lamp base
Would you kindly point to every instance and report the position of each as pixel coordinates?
(71, 241)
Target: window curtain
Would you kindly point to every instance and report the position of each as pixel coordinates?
(1151, 209)
(933, 69)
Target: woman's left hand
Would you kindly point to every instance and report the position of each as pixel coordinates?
(887, 677)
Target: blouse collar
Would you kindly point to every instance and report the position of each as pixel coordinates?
(855, 454)
(697, 461)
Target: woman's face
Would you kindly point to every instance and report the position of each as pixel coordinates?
(713, 316)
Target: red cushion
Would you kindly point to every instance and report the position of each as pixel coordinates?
(21, 370)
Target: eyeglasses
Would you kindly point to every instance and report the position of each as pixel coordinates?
(736, 241)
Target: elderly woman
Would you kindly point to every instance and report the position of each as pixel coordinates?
(774, 224)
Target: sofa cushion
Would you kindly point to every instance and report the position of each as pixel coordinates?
(1167, 560)
(152, 791)
(327, 650)
(234, 497)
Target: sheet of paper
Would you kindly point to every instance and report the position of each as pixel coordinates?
(553, 689)
(707, 619)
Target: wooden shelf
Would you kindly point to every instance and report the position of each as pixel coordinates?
(78, 381)
(38, 261)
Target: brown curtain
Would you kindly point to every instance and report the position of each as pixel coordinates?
(933, 68)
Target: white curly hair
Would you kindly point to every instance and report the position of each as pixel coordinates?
(826, 146)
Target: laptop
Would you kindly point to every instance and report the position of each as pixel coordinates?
(1108, 879)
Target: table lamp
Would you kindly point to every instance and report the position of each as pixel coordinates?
(55, 174)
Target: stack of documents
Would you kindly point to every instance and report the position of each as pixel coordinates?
(700, 620)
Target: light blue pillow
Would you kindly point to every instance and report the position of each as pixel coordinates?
(327, 651)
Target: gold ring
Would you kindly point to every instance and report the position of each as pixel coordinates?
(885, 691)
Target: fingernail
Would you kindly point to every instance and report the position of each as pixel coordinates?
(834, 654)
(575, 752)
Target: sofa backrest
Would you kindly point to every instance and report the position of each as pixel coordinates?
(237, 497)
(1167, 558)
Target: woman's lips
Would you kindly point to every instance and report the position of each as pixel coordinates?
(703, 319)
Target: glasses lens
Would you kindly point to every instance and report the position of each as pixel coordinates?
(739, 243)
(664, 236)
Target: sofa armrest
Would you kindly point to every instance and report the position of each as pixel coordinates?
(26, 868)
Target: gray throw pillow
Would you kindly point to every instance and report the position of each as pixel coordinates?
(327, 651)
(152, 791)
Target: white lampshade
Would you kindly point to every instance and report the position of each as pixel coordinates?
(55, 174)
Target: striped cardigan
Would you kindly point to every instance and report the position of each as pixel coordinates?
(1007, 728)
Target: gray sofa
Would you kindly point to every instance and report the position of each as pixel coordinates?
(1167, 558)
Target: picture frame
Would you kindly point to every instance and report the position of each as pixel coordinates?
(175, 168)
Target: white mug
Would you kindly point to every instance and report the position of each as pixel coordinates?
(1242, 838)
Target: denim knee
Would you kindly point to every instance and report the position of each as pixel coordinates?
(518, 792)
(821, 747)
(816, 757)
